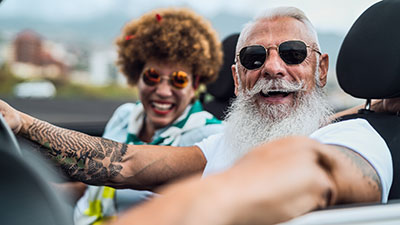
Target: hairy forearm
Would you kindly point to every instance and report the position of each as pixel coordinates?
(88, 159)
(273, 183)
(377, 105)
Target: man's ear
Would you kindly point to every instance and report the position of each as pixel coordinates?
(235, 78)
(323, 69)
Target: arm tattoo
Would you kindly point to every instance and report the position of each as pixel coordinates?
(363, 165)
(89, 159)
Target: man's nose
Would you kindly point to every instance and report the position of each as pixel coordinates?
(273, 66)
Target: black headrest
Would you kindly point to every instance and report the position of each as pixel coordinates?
(368, 64)
(223, 88)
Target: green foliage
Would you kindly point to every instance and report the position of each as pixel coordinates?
(67, 89)
(7, 80)
(112, 91)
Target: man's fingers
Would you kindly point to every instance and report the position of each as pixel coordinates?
(11, 116)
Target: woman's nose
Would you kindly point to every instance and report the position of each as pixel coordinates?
(163, 88)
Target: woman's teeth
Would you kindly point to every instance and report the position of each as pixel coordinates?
(162, 106)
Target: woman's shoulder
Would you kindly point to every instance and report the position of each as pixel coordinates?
(120, 118)
(124, 109)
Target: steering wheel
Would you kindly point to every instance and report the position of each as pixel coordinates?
(26, 193)
(7, 138)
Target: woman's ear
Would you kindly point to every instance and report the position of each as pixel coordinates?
(196, 82)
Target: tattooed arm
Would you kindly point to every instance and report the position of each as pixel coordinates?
(100, 161)
(356, 179)
(90, 159)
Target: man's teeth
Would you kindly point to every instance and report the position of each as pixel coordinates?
(162, 106)
(274, 93)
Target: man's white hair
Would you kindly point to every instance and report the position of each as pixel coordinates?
(274, 13)
(291, 12)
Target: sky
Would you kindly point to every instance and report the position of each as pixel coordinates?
(326, 15)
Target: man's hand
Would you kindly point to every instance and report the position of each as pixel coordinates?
(274, 182)
(11, 116)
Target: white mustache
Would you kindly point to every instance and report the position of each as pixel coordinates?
(276, 85)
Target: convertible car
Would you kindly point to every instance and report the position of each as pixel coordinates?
(368, 67)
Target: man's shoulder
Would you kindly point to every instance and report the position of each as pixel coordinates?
(213, 139)
(355, 134)
(207, 130)
(351, 125)
(210, 144)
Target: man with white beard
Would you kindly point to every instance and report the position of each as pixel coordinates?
(279, 73)
(248, 125)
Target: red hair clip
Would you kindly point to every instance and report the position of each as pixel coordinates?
(158, 17)
(129, 37)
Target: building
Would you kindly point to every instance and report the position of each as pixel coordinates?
(33, 60)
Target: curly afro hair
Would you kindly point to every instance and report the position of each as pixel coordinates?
(173, 35)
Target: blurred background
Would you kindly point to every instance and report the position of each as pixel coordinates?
(57, 57)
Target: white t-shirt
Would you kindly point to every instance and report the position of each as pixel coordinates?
(355, 134)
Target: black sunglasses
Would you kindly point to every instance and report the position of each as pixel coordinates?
(291, 52)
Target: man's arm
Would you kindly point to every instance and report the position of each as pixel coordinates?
(390, 105)
(273, 183)
(100, 161)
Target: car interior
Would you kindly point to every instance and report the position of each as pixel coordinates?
(368, 67)
(26, 194)
(223, 89)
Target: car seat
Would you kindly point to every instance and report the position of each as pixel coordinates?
(25, 194)
(223, 89)
(368, 67)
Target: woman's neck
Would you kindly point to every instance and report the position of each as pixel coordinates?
(147, 131)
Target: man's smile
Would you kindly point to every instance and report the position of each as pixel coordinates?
(275, 93)
(276, 96)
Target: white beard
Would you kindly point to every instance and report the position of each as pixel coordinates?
(248, 124)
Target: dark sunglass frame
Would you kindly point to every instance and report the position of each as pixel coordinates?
(294, 48)
(177, 79)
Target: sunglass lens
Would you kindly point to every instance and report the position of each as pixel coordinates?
(252, 57)
(179, 79)
(293, 52)
(151, 77)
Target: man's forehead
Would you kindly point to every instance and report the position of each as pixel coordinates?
(276, 30)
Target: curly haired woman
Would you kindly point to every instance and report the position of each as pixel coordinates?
(166, 54)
